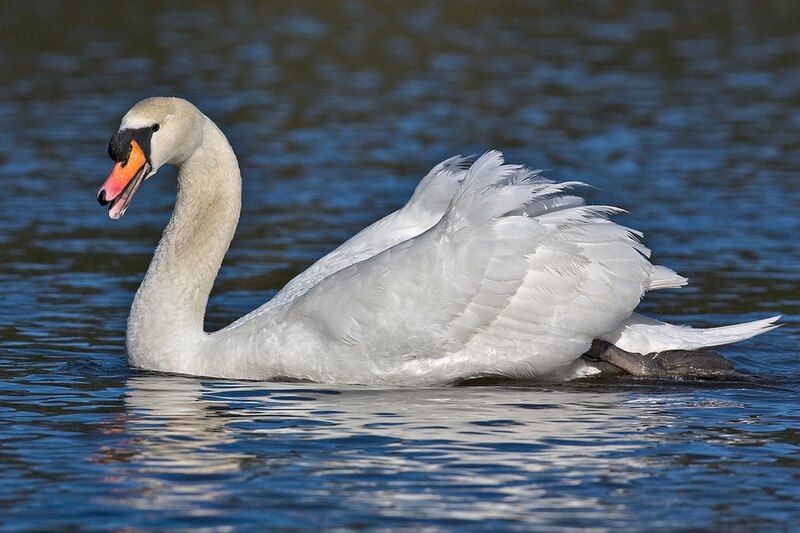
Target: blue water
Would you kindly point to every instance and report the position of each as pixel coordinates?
(688, 117)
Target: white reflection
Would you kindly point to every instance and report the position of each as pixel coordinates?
(458, 452)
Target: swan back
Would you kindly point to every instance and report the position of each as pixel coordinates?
(516, 279)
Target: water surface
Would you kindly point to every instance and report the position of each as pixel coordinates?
(688, 118)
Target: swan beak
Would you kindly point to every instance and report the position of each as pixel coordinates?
(124, 181)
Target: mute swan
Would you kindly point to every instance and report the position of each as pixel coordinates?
(488, 270)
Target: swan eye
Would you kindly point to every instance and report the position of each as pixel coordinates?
(155, 127)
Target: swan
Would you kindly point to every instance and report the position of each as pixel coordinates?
(488, 270)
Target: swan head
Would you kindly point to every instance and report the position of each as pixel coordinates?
(155, 132)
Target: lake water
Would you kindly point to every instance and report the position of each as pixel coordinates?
(689, 118)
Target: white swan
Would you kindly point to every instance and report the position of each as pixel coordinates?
(489, 270)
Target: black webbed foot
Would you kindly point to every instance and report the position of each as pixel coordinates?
(671, 363)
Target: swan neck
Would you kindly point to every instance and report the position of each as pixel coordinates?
(166, 320)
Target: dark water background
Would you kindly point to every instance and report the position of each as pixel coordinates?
(689, 117)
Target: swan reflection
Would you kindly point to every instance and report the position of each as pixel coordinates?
(466, 452)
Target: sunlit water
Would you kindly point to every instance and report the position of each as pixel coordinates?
(689, 119)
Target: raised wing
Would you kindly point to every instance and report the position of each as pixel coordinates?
(425, 208)
(517, 278)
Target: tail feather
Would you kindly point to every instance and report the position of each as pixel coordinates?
(641, 334)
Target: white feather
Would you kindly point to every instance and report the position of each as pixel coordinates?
(665, 278)
(641, 334)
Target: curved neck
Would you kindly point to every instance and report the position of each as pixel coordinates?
(166, 319)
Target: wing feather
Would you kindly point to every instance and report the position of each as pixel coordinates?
(430, 200)
(517, 276)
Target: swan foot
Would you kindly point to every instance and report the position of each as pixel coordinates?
(671, 363)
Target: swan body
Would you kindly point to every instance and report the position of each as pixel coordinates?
(488, 270)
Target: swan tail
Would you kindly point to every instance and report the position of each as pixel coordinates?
(641, 334)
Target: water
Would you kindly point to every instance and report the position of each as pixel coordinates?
(689, 118)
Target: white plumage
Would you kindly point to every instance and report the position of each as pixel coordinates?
(641, 334)
(488, 270)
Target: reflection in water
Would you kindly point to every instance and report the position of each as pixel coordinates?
(172, 435)
(457, 453)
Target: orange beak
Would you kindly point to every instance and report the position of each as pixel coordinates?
(124, 181)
